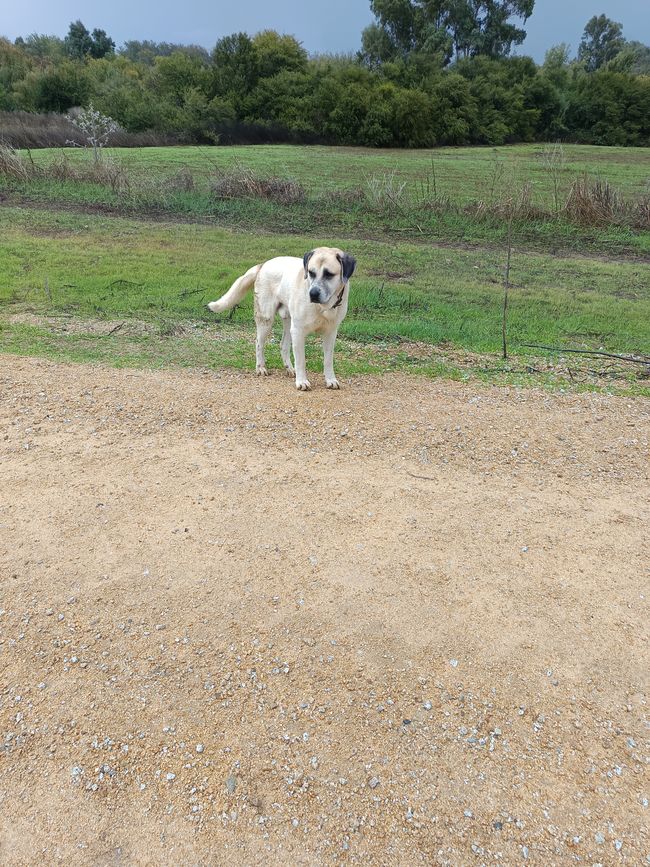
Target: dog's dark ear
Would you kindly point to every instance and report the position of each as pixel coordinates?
(348, 264)
(305, 260)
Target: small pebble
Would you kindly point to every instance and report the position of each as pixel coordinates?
(427, 705)
(199, 748)
(373, 782)
(170, 777)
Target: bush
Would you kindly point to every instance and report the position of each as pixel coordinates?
(242, 182)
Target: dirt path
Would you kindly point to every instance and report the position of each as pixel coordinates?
(405, 623)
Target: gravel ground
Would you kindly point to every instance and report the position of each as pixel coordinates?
(404, 623)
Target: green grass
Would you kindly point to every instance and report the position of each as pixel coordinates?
(114, 267)
(78, 260)
(458, 176)
(464, 174)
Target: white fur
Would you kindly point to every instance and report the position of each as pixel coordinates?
(281, 288)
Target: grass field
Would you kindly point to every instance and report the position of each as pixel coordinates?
(425, 300)
(448, 195)
(464, 174)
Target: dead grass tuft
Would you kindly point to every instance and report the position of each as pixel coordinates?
(242, 182)
(593, 203)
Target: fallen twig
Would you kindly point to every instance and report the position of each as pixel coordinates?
(124, 283)
(587, 352)
(113, 330)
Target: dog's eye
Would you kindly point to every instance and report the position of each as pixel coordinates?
(327, 274)
(312, 274)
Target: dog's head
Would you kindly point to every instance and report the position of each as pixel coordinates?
(327, 271)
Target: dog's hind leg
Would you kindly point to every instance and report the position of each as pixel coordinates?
(285, 345)
(264, 327)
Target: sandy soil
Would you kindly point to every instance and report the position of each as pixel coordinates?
(405, 623)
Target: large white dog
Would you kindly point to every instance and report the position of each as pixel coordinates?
(309, 294)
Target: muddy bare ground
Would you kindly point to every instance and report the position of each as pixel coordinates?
(405, 623)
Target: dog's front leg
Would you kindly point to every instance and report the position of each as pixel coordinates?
(298, 343)
(329, 339)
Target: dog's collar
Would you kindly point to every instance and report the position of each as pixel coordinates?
(340, 298)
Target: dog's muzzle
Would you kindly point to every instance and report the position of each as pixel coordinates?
(314, 295)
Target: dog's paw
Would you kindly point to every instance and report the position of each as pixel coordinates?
(332, 383)
(261, 371)
(303, 384)
(290, 370)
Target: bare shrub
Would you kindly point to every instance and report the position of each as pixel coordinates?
(522, 206)
(345, 198)
(181, 182)
(108, 172)
(242, 182)
(554, 160)
(640, 212)
(518, 206)
(96, 128)
(593, 203)
(14, 166)
(386, 192)
(496, 177)
(436, 204)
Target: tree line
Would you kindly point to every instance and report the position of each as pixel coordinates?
(430, 73)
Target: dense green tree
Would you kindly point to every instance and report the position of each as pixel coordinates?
(146, 51)
(42, 48)
(286, 100)
(556, 64)
(101, 45)
(464, 28)
(610, 108)
(174, 75)
(78, 42)
(235, 69)
(634, 58)
(57, 88)
(418, 89)
(14, 66)
(276, 53)
(601, 41)
(454, 110)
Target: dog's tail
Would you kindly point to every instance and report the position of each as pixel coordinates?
(236, 292)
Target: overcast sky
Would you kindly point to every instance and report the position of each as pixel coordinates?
(326, 25)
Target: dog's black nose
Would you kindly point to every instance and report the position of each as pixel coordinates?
(314, 295)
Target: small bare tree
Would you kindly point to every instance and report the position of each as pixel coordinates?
(97, 128)
(506, 283)
(554, 160)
